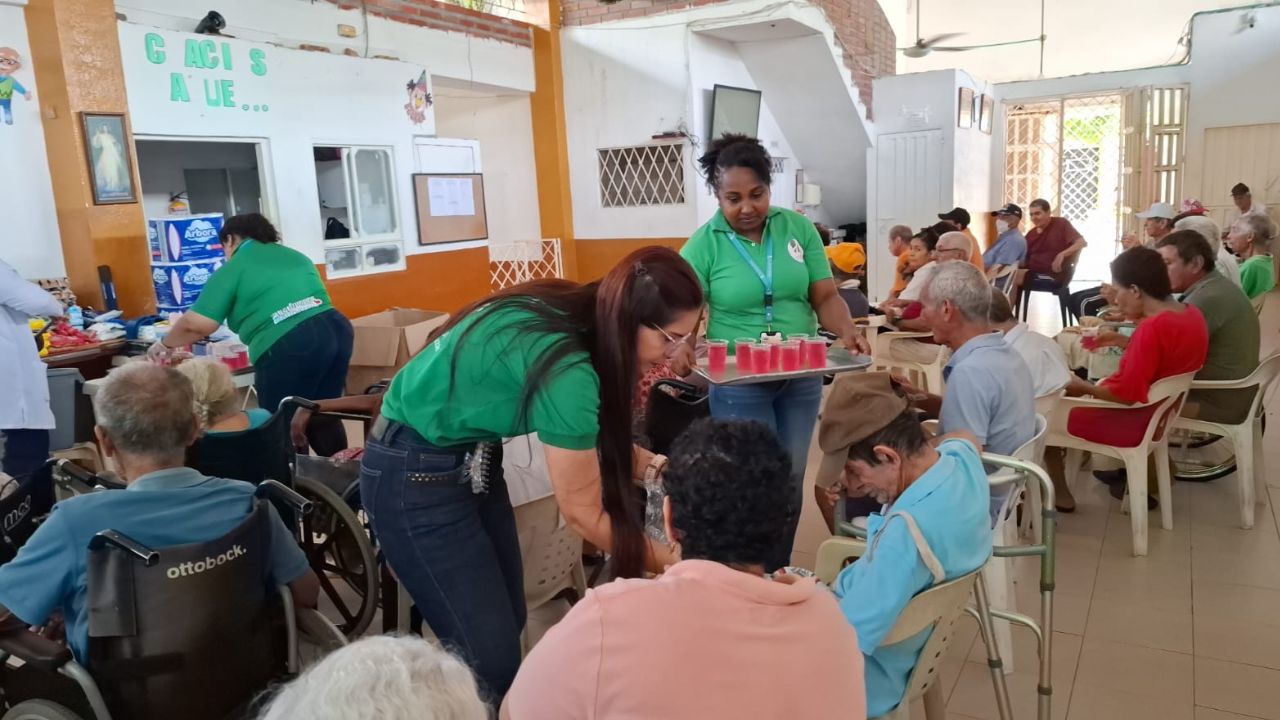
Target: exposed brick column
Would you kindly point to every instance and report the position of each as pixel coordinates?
(447, 17)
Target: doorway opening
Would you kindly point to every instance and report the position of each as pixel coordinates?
(209, 176)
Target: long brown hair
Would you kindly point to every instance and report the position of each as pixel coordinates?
(647, 289)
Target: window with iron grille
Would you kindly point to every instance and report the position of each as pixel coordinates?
(642, 175)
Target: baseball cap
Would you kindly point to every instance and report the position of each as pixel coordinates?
(959, 215)
(847, 256)
(859, 406)
(1158, 210)
(1239, 189)
(1008, 209)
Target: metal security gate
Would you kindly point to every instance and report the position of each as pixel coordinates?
(1097, 159)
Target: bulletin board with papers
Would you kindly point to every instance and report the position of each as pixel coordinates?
(450, 207)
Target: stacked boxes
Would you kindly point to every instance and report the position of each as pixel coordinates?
(185, 252)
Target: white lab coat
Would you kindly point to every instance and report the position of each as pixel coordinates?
(24, 383)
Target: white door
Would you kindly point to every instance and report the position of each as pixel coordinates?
(908, 191)
(1243, 153)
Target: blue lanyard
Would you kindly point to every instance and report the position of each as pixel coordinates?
(766, 278)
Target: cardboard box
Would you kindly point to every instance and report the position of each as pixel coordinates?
(385, 341)
(185, 238)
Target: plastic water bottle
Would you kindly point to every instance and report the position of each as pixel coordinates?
(75, 316)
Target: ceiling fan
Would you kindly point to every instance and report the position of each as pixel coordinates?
(923, 47)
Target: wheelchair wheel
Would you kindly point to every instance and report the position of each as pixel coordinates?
(40, 710)
(1200, 457)
(340, 551)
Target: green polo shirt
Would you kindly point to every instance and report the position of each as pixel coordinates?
(261, 293)
(459, 391)
(1234, 340)
(734, 291)
(1257, 275)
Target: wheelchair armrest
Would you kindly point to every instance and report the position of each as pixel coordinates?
(148, 556)
(273, 490)
(83, 480)
(35, 650)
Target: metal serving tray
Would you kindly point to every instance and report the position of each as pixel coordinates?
(839, 360)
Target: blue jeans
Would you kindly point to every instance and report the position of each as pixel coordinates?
(790, 409)
(455, 552)
(309, 361)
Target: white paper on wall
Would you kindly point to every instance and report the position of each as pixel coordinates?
(451, 197)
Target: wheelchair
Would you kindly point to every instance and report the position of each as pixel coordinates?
(335, 539)
(206, 648)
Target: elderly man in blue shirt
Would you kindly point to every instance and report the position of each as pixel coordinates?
(1010, 247)
(146, 419)
(934, 526)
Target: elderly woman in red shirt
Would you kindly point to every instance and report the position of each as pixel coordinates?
(1171, 339)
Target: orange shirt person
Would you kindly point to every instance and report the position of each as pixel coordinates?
(899, 241)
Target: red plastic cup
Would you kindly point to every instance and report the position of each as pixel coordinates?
(815, 353)
(717, 356)
(742, 351)
(789, 356)
(759, 358)
(775, 356)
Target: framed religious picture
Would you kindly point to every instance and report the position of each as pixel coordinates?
(106, 144)
(986, 109)
(965, 118)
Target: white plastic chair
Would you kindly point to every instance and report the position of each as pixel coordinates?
(938, 607)
(1005, 282)
(931, 372)
(552, 556)
(1045, 407)
(1245, 438)
(1259, 302)
(1166, 397)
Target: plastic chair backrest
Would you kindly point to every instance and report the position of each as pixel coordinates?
(938, 608)
(196, 635)
(1263, 377)
(24, 501)
(1169, 393)
(1004, 279)
(551, 551)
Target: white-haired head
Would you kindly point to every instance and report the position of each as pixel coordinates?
(382, 678)
(1207, 228)
(964, 286)
(953, 242)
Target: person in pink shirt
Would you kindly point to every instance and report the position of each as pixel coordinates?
(713, 637)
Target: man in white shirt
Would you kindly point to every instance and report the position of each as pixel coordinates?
(25, 417)
(1044, 358)
(1243, 199)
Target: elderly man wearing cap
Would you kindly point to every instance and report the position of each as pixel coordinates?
(935, 526)
(1244, 202)
(958, 218)
(1011, 246)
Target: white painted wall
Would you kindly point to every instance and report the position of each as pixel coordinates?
(29, 239)
(161, 166)
(973, 169)
(714, 61)
(1084, 36)
(622, 86)
(291, 22)
(503, 127)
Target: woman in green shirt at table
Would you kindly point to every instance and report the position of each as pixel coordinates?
(272, 297)
(1250, 239)
(550, 357)
(764, 271)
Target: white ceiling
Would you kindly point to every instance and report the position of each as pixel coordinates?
(1084, 36)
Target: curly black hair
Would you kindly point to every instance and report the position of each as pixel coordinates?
(731, 151)
(249, 226)
(732, 496)
(930, 238)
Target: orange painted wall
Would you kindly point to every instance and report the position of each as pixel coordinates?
(597, 257)
(438, 281)
(76, 61)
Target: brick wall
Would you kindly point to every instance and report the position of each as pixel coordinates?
(447, 17)
(860, 26)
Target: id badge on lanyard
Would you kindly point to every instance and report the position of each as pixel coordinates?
(766, 281)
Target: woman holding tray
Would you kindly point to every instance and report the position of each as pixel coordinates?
(549, 357)
(765, 275)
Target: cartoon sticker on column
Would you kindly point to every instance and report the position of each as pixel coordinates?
(419, 99)
(10, 63)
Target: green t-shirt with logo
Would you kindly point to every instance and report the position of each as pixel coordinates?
(473, 397)
(734, 291)
(1257, 276)
(264, 291)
